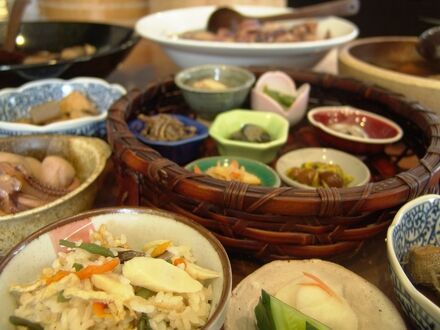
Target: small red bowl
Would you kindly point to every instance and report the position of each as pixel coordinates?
(354, 130)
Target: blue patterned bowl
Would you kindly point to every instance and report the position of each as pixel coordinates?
(416, 223)
(15, 103)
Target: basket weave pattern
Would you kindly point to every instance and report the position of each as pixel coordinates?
(277, 222)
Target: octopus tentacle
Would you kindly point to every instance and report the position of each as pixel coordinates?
(32, 181)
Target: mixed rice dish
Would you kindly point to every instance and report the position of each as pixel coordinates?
(104, 285)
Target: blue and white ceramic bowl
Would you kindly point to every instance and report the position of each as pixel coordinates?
(416, 223)
(15, 103)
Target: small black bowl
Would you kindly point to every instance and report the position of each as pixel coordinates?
(112, 42)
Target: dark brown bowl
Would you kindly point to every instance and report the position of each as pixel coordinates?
(112, 44)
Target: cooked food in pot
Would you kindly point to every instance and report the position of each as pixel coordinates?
(26, 183)
(254, 31)
(67, 53)
(319, 174)
(104, 285)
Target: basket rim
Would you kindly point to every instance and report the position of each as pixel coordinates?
(384, 194)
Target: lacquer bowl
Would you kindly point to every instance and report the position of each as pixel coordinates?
(354, 130)
(139, 225)
(112, 42)
(87, 155)
(415, 224)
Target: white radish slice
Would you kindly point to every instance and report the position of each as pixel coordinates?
(159, 275)
(200, 273)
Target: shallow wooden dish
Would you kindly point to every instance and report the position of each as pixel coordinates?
(278, 222)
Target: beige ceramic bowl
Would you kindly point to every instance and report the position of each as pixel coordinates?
(139, 225)
(376, 61)
(88, 156)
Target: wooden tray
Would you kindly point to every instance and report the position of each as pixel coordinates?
(280, 222)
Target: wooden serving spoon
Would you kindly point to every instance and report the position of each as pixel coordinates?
(225, 17)
(8, 54)
(428, 46)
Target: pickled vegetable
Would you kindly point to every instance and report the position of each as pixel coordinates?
(273, 314)
(285, 100)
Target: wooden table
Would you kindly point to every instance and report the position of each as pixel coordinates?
(146, 63)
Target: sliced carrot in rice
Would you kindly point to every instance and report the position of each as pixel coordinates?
(86, 272)
(178, 261)
(90, 270)
(99, 309)
(57, 276)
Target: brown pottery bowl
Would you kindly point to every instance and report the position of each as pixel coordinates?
(87, 155)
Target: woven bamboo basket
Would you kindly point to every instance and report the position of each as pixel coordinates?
(283, 222)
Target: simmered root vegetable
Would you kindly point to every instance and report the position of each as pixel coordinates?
(423, 264)
(319, 174)
(90, 287)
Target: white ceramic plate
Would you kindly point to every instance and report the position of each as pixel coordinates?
(164, 27)
(351, 165)
(373, 309)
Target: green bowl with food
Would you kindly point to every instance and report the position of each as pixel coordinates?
(252, 134)
(212, 89)
(236, 168)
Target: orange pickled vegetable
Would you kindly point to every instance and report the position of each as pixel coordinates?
(178, 261)
(197, 170)
(57, 276)
(99, 309)
(90, 270)
(86, 272)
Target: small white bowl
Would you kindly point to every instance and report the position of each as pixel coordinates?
(415, 224)
(351, 165)
(15, 103)
(139, 225)
(164, 28)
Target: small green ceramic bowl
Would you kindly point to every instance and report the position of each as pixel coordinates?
(207, 103)
(268, 177)
(232, 121)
